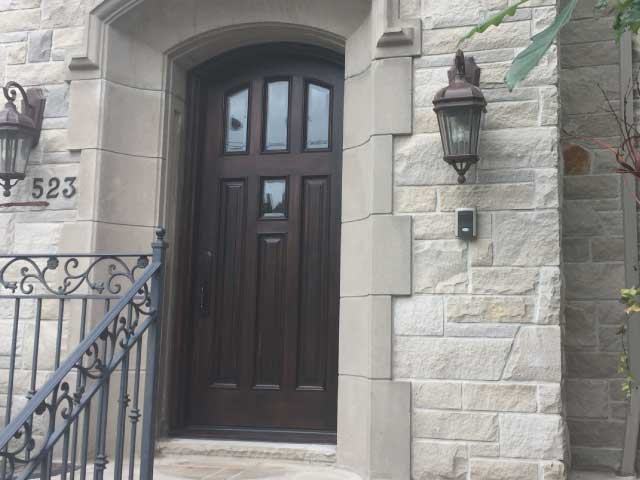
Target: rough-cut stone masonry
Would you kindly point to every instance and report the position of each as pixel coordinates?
(480, 339)
(35, 36)
(593, 244)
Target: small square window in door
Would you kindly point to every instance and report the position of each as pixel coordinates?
(273, 198)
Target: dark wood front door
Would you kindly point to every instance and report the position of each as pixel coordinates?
(266, 254)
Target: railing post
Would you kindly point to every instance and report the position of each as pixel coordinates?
(147, 450)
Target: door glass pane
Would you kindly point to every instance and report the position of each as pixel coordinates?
(277, 116)
(274, 197)
(318, 113)
(236, 123)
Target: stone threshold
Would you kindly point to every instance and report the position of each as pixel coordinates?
(291, 452)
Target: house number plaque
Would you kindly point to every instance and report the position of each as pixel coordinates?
(54, 187)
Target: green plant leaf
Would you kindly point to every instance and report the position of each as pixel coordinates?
(540, 43)
(626, 14)
(494, 21)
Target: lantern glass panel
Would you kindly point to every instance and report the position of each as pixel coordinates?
(460, 130)
(15, 147)
(8, 152)
(476, 120)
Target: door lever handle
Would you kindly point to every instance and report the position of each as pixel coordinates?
(204, 298)
(207, 261)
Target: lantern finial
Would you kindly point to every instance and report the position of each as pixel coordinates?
(460, 65)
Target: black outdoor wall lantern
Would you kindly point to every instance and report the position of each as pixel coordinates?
(459, 108)
(19, 133)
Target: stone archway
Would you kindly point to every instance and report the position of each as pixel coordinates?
(128, 118)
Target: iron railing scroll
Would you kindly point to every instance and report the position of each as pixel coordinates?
(81, 410)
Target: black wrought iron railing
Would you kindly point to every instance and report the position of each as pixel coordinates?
(77, 414)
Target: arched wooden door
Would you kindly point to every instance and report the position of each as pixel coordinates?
(266, 255)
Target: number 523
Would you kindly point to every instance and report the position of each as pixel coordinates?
(53, 189)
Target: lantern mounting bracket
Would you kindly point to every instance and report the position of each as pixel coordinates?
(36, 102)
(470, 70)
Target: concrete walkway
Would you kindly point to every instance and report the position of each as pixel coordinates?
(196, 467)
(596, 476)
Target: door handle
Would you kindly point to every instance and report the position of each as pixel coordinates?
(204, 298)
(207, 261)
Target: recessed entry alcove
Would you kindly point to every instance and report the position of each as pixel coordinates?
(132, 117)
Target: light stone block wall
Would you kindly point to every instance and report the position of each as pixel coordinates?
(479, 340)
(480, 337)
(593, 243)
(35, 37)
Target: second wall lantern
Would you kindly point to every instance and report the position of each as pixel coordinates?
(459, 108)
(19, 133)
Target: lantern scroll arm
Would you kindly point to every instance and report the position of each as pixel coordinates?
(9, 91)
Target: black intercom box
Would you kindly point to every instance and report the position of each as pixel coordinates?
(466, 223)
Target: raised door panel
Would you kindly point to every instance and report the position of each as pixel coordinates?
(270, 312)
(314, 284)
(227, 328)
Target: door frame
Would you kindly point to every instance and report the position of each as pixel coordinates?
(186, 236)
(185, 232)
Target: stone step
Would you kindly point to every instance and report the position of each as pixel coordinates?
(291, 452)
(199, 467)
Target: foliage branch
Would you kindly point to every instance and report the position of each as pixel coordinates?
(630, 297)
(626, 18)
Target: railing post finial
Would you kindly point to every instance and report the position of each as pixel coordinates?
(159, 245)
(160, 233)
